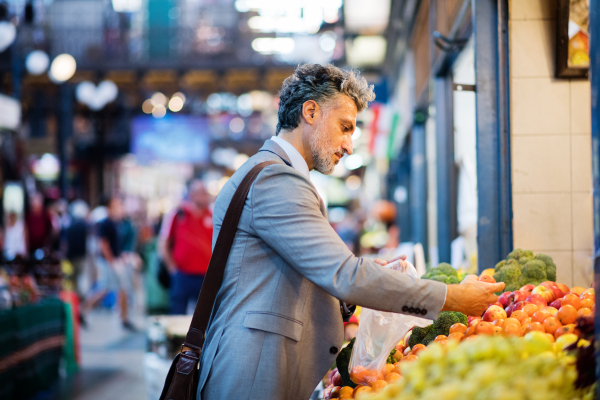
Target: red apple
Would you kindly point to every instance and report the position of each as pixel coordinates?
(556, 304)
(516, 306)
(565, 289)
(497, 304)
(335, 392)
(558, 292)
(538, 300)
(494, 313)
(527, 288)
(471, 318)
(546, 292)
(517, 296)
(503, 299)
(548, 284)
(337, 379)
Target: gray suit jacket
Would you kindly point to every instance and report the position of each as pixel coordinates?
(276, 326)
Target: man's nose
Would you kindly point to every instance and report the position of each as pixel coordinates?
(347, 145)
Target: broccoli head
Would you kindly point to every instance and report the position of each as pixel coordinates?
(524, 260)
(515, 254)
(446, 319)
(535, 270)
(500, 265)
(447, 269)
(439, 278)
(545, 258)
(551, 272)
(509, 274)
(461, 276)
(430, 337)
(527, 253)
(452, 280)
(418, 334)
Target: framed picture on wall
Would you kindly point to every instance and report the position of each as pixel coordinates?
(572, 40)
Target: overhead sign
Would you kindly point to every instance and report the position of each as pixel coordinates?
(10, 112)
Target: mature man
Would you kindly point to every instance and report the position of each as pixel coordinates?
(276, 325)
(187, 248)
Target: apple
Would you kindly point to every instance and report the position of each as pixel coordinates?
(551, 310)
(527, 288)
(494, 313)
(556, 304)
(516, 306)
(335, 392)
(545, 292)
(474, 321)
(337, 379)
(548, 284)
(496, 304)
(517, 296)
(538, 300)
(565, 289)
(503, 299)
(558, 292)
(471, 318)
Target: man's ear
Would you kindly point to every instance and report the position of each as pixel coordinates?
(309, 108)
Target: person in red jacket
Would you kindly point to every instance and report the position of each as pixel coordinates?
(188, 247)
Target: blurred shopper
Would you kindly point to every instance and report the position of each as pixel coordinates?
(76, 241)
(39, 224)
(15, 237)
(111, 264)
(188, 247)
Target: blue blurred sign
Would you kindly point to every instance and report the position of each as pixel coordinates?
(174, 138)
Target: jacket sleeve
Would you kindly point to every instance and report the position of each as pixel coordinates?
(286, 215)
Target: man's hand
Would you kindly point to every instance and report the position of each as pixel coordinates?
(383, 263)
(471, 297)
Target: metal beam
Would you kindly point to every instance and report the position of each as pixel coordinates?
(418, 186)
(446, 176)
(494, 227)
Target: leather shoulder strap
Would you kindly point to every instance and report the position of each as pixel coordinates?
(216, 268)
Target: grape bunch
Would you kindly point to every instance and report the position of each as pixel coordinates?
(489, 368)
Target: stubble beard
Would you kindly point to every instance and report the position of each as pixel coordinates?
(323, 151)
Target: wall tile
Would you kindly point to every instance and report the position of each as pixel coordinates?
(581, 163)
(532, 9)
(564, 265)
(583, 218)
(542, 221)
(581, 107)
(540, 106)
(541, 164)
(531, 48)
(582, 269)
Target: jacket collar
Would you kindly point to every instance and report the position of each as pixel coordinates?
(274, 148)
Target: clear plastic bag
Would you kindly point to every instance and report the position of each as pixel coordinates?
(378, 333)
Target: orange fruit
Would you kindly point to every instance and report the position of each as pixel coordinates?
(541, 315)
(440, 337)
(456, 336)
(535, 326)
(484, 328)
(474, 321)
(551, 337)
(551, 324)
(563, 330)
(526, 321)
(417, 348)
(378, 385)
(388, 368)
(443, 343)
(519, 315)
(577, 290)
(361, 390)
(511, 321)
(583, 312)
(567, 314)
(497, 330)
(470, 330)
(458, 327)
(512, 330)
(472, 337)
(346, 391)
(588, 292)
(409, 358)
(530, 309)
(551, 310)
(392, 377)
(487, 278)
(573, 300)
(498, 322)
(587, 302)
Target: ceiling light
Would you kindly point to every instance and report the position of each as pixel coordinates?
(148, 106)
(236, 125)
(273, 45)
(126, 5)
(353, 182)
(63, 68)
(175, 104)
(353, 162)
(159, 98)
(366, 50)
(159, 111)
(37, 62)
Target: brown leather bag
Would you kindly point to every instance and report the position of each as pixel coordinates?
(182, 380)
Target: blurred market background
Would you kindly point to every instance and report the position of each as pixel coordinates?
(479, 142)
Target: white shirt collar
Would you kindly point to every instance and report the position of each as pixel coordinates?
(298, 162)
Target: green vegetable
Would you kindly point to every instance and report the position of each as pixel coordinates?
(508, 274)
(443, 273)
(418, 334)
(521, 268)
(525, 260)
(452, 280)
(535, 270)
(499, 266)
(390, 359)
(343, 363)
(440, 326)
(551, 272)
(439, 278)
(447, 269)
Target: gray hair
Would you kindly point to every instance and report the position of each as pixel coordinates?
(320, 83)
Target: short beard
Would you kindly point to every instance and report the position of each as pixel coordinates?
(322, 151)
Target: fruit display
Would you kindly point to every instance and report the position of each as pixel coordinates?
(444, 273)
(522, 267)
